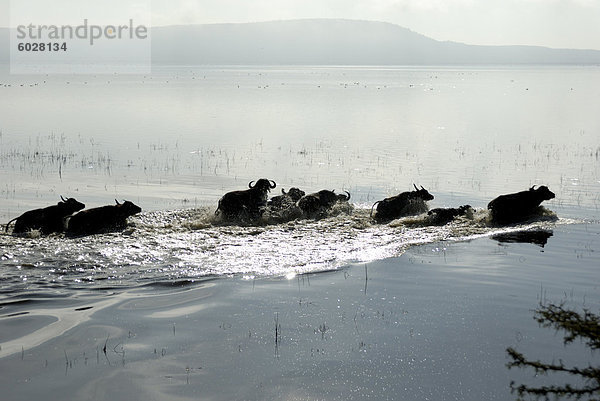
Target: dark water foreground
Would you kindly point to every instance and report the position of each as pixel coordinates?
(432, 324)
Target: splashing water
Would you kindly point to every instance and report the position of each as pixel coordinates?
(192, 244)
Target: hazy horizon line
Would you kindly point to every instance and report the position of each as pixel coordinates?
(357, 20)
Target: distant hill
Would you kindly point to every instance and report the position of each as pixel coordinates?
(337, 42)
(330, 42)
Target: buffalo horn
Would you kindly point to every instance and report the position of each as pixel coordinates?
(273, 185)
(117, 202)
(63, 199)
(423, 188)
(415, 187)
(348, 195)
(371, 214)
(532, 188)
(283, 191)
(250, 184)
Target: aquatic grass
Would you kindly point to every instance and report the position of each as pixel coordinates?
(277, 335)
(71, 160)
(322, 329)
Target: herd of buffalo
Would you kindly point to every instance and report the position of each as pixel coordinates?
(249, 205)
(60, 218)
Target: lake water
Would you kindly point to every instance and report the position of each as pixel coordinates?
(184, 136)
(175, 141)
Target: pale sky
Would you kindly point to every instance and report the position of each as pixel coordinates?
(551, 23)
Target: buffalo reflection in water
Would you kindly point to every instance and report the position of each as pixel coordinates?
(536, 237)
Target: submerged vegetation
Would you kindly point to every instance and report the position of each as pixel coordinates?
(584, 326)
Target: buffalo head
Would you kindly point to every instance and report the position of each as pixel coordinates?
(128, 208)
(71, 204)
(543, 192)
(343, 198)
(263, 185)
(294, 193)
(423, 193)
(327, 198)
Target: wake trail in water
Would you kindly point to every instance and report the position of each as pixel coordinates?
(194, 244)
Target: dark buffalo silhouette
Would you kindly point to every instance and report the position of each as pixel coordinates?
(286, 199)
(399, 205)
(512, 208)
(248, 203)
(441, 216)
(47, 220)
(102, 219)
(320, 201)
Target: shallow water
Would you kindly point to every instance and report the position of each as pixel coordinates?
(183, 136)
(174, 141)
(193, 244)
(150, 312)
(432, 324)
